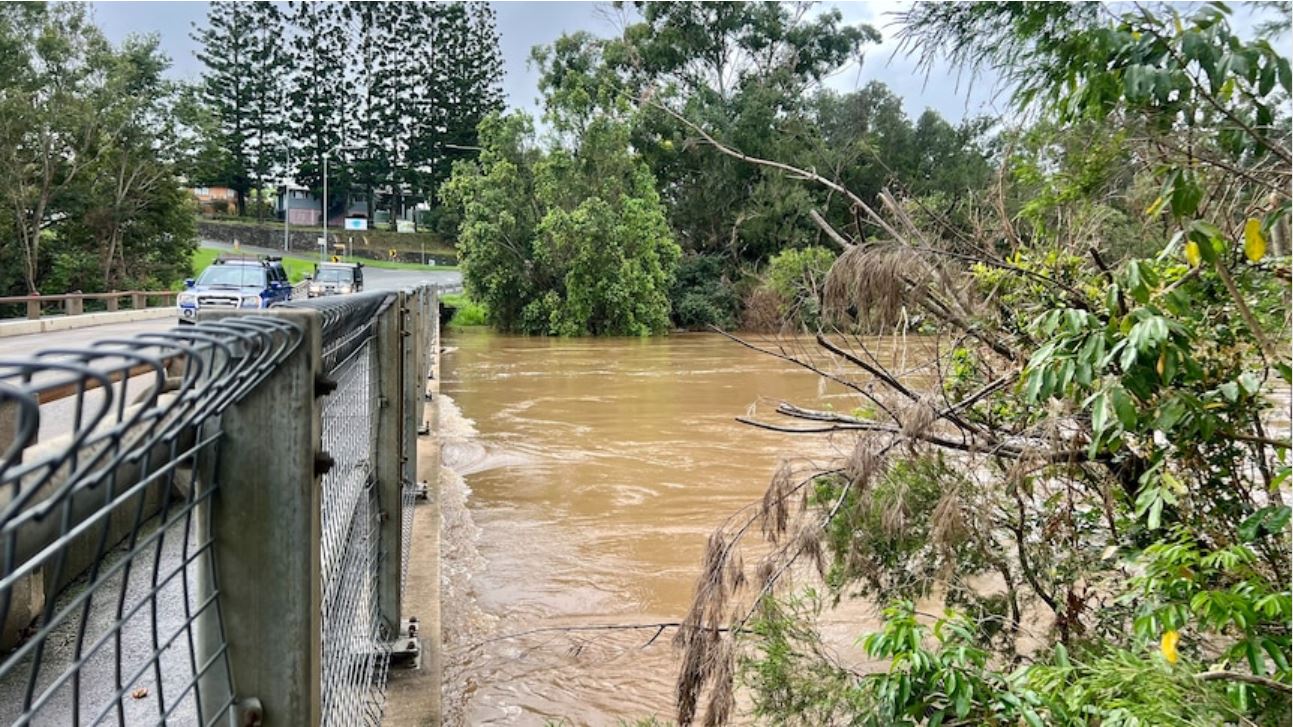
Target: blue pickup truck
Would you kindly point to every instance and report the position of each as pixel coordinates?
(235, 282)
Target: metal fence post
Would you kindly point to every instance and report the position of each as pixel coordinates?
(389, 462)
(265, 523)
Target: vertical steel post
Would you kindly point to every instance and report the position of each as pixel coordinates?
(389, 460)
(264, 521)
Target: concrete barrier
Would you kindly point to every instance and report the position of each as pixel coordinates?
(26, 327)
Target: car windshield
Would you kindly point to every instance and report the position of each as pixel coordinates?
(333, 275)
(240, 276)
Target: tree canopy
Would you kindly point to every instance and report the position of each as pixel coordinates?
(90, 194)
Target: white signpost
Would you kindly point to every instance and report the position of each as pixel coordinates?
(356, 223)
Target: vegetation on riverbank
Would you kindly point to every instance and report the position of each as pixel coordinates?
(466, 312)
(1084, 486)
(728, 65)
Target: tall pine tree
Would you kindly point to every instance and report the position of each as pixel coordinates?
(226, 87)
(321, 95)
(373, 40)
(267, 88)
(464, 76)
(390, 94)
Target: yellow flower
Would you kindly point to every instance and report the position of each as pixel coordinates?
(1168, 646)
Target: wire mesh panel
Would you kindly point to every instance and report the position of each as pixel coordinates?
(356, 650)
(102, 455)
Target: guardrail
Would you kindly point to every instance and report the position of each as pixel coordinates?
(211, 525)
(73, 304)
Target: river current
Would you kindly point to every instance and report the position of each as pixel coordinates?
(582, 479)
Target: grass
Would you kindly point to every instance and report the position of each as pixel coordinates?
(298, 267)
(467, 312)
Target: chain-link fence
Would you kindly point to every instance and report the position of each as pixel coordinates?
(194, 524)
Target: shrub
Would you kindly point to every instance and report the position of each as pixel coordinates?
(702, 296)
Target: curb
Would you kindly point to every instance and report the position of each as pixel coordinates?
(86, 320)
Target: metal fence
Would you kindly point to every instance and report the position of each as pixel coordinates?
(210, 525)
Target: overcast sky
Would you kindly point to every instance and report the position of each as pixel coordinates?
(523, 25)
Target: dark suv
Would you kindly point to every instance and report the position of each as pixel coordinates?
(235, 282)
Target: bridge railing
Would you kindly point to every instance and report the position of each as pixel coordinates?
(211, 525)
(73, 304)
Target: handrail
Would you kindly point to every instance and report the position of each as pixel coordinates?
(74, 303)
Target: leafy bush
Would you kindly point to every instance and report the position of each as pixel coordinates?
(1103, 447)
(702, 296)
(797, 276)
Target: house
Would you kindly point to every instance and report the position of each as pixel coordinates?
(302, 207)
(216, 200)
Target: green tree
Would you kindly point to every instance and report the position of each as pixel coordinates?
(464, 73)
(242, 50)
(322, 96)
(568, 242)
(90, 195)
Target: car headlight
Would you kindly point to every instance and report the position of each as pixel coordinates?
(186, 299)
(315, 288)
(344, 288)
(251, 301)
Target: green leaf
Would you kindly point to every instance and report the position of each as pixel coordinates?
(1124, 408)
(1155, 514)
(1100, 413)
(1062, 655)
(1256, 659)
(1266, 79)
(1169, 413)
(1285, 372)
(1186, 196)
(963, 700)
(1276, 652)
(1286, 78)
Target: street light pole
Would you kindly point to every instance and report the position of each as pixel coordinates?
(287, 177)
(323, 204)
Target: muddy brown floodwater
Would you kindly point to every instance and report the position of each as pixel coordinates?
(589, 473)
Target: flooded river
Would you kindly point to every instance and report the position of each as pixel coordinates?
(592, 472)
